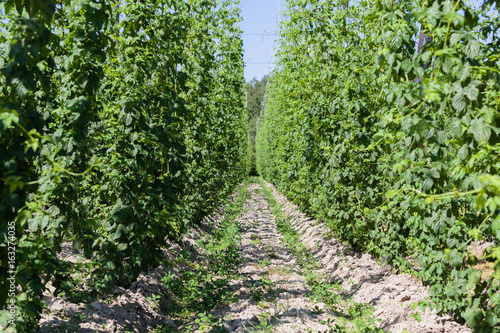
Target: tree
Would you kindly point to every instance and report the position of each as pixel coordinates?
(255, 91)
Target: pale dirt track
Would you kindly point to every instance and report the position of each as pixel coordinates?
(286, 301)
(270, 284)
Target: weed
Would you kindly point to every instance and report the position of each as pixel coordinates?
(279, 270)
(156, 301)
(255, 241)
(264, 326)
(263, 263)
(317, 310)
(209, 322)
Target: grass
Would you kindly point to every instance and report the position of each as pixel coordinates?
(255, 239)
(279, 270)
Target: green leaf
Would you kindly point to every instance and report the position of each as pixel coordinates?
(491, 318)
(456, 128)
(472, 48)
(121, 213)
(396, 42)
(455, 37)
(441, 137)
(34, 223)
(447, 64)
(8, 117)
(480, 130)
(122, 246)
(121, 230)
(110, 266)
(495, 227)
(77, 244)
(495, 299)
(456, 259)
(463, 152)
(480, 203)
(458, 101)
(22, 89)
(390, 58)
(471, 92)
(4, 319)
(476, 234)
(391, 193)
(406, 66)
(427, 183)
(22, 218)
(472, 315)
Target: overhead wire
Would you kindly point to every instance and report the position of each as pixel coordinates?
(278, 20)
(270, 63)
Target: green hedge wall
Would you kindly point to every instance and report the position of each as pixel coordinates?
(122, 123)
(396, 149)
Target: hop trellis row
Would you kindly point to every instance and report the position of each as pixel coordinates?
(122, 123)
(395, 148)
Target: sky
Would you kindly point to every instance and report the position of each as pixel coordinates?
(260, 19)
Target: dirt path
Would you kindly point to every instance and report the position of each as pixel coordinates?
(311, 283)
(367, 281)
(272, 291)
(256, 265)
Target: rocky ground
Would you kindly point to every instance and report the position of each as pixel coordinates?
(289, 277)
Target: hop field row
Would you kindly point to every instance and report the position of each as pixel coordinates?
(382, 120)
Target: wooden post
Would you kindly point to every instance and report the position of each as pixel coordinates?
(422, 40)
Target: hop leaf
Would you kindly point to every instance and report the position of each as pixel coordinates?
(455, 37)
(458, 101)
(463, 152)
(456, 128)
(495, 227)
(480, 130)
(472, 49)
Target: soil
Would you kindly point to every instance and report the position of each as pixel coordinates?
(267, 267)
(368, 281)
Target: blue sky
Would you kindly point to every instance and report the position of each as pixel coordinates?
(259, 17)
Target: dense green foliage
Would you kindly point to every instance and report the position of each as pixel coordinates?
(398, 151)
(122, 123)
(255, 91)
